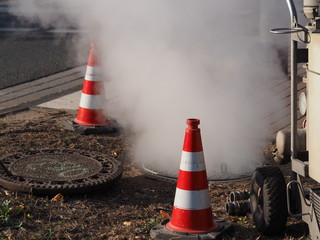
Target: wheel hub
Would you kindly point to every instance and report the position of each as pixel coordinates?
(260, 199)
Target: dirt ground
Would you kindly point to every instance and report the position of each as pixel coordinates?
(128, 210)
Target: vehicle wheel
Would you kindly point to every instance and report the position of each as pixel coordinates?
(268, 200)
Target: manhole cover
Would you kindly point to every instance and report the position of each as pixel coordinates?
(51, 171)
(171, 175)
(55, 167)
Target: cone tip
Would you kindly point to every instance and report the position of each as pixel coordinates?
(92, 60)
(193, 122)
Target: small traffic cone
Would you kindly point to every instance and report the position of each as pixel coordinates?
(192, 214)
(91, 117)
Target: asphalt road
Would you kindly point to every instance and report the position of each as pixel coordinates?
(28, 52)
(28, 56)
(36, 64)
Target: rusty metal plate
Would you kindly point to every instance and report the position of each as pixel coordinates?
(51, 171)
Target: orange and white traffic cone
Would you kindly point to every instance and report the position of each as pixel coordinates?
(91, 117)
(192, 208)
(192, 214)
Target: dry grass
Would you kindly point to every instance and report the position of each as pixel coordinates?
(126, 211)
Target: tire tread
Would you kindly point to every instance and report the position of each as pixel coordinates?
(273, 219)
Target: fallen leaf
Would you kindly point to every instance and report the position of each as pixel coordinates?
(164, 214)
(127, 223)
(20, 207)
(57, 198)
(8, 234)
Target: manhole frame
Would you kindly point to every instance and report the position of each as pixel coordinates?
(110, 172)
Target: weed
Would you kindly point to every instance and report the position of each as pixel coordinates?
(49, 234)
(68, 138)
(3, 123)
(151, 223)
(5, 211)
(7, 214)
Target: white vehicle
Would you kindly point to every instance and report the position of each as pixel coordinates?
(271, 198)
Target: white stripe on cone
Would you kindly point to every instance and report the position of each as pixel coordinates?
(192, 200)
(192, 161)
(92, 101)
(93, 74)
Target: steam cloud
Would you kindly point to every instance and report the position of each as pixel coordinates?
(166, 61)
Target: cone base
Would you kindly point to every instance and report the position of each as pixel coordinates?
(91, 124)
(91, 117)
(192, 221)
(192, 231)
(111, 129)
(160, 231)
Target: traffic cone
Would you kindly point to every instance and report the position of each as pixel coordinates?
(192, 209)
(90, 112)
(192, 214)
(91, 117)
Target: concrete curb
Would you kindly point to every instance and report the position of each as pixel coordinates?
(39, 91)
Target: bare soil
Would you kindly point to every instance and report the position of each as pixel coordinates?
(128, 210)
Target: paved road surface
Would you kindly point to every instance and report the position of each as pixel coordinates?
(28, 55)
(36, 64)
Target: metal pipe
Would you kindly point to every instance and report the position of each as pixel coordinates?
(294, 46)
(238, 208)
(289, 202)
(293, 70)
(293, 99)
(293, 12)
(237, 196)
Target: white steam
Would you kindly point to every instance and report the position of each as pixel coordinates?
(166, 61)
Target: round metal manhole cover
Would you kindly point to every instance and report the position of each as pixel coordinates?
(55, 167)
(157, 172)
(51, 171)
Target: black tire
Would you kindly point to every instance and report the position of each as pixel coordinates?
(268, 200)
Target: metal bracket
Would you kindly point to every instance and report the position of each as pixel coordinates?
(288, 199)
(300, 167)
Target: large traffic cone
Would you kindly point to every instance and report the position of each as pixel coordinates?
(91, 117)
(192, 214)
(192, 208)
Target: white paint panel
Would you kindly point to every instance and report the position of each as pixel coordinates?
(192, 200)
(313, 111)
(192, 161)
(92, 101)
(93, 74)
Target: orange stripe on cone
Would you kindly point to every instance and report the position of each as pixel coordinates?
(201, 221)
(192, 181)
(192, 139)
(91, 117)
(192, 209)
(93, 87)
(92, 59)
